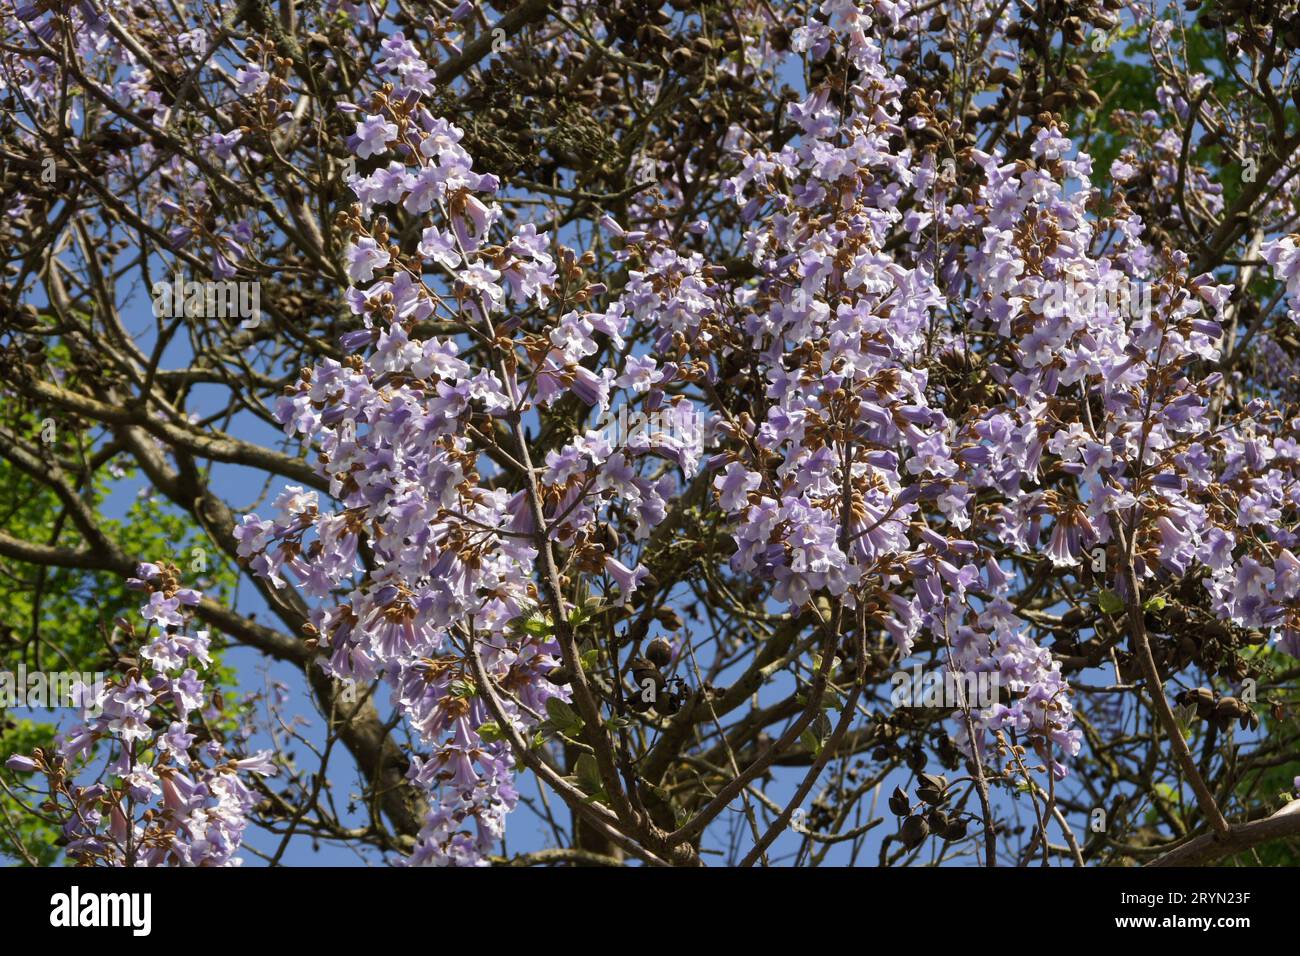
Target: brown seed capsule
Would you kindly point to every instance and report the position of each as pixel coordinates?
(930, 795)
(899, 804)
(659, 652)
(936, 781)
(667, 704)
(913, 831)
(1056, 101)
(1226, 709)
(669, 618)
(956, 830)
(644, 670)
(1075, 617)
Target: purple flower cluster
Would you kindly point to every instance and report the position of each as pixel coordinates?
(454, 551)
(168, 793)
(862, 477)
(1088, 420)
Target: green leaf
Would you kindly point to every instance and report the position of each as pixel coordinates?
(562, 718)
(560, 711)
(589, 609)
(817, 662)
(821, 726)
(1110, 602)
(588, 773)
(810, 740)
(538, 625)
(590, 658)
(1154, 604)
(490, 731)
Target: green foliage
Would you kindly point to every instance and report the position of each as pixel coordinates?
(1264, 792)
(61, 619)
(16, 823)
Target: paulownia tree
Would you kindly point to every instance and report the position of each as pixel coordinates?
(611, 406)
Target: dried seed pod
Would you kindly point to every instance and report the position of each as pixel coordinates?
(913, 831)
(930, 795)
(935, 781)
(899, 803)
(1226, 709)
(955, 830)
(669, 618)
(659, 652)
(643, 670)
(667, 704)
(1054, 102)
(1075, 617)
